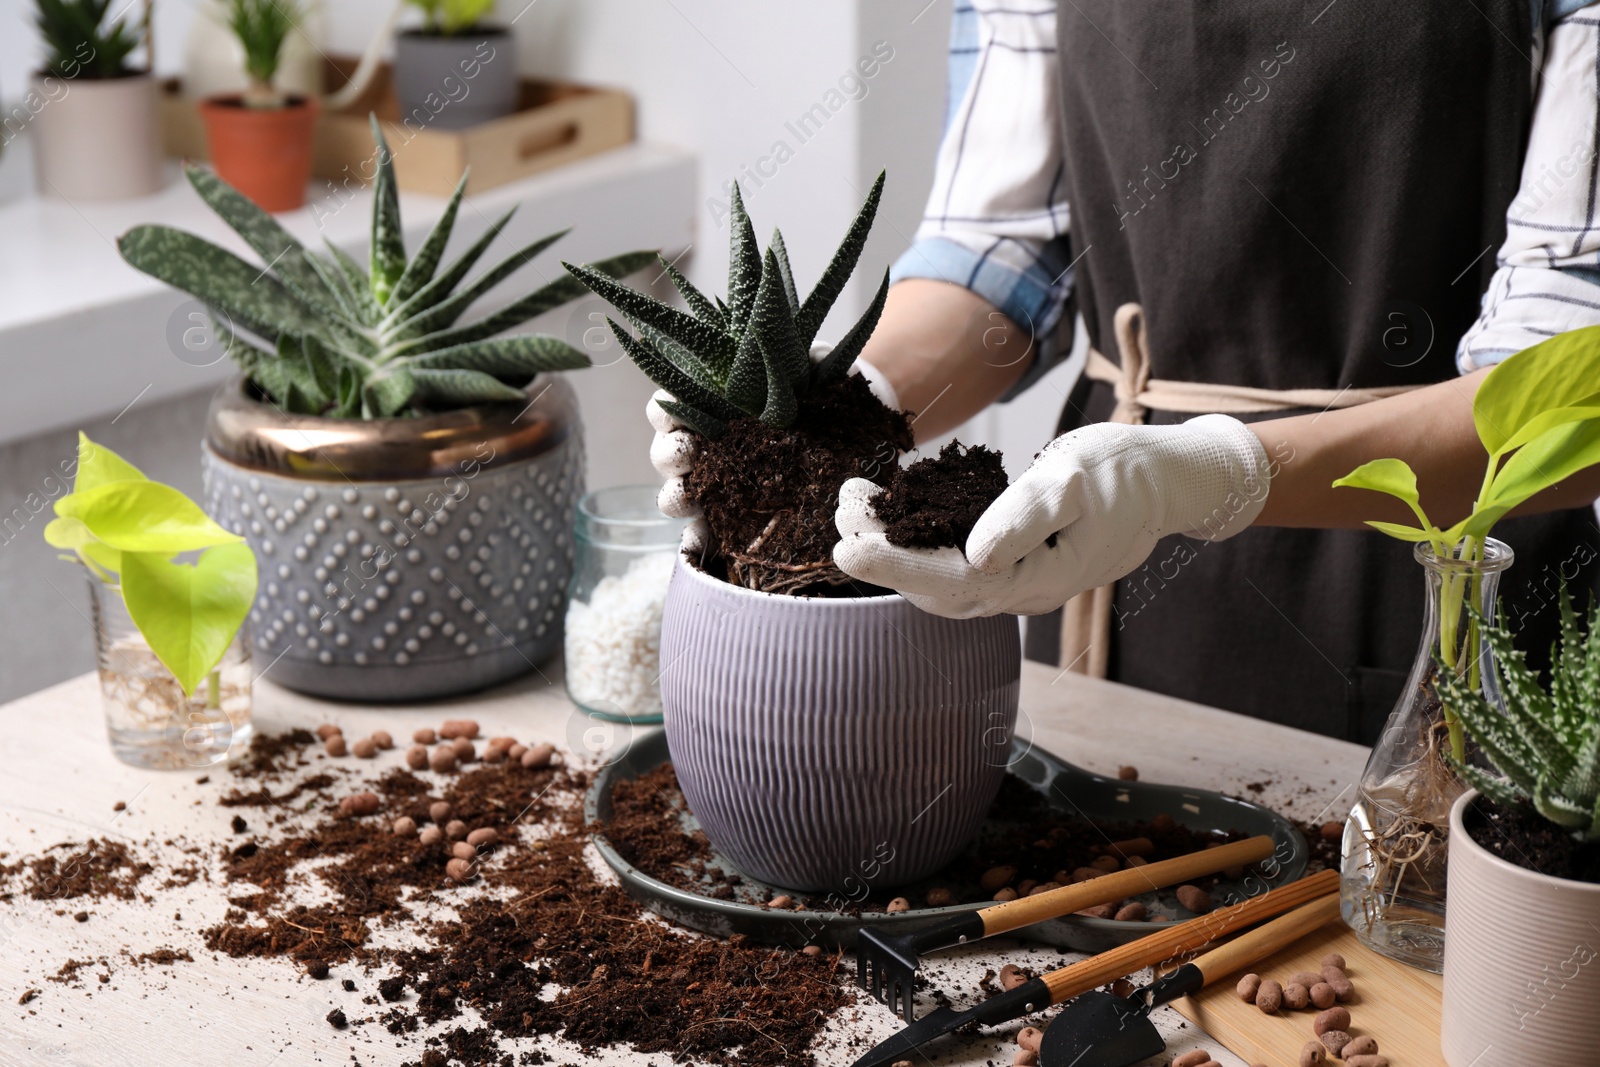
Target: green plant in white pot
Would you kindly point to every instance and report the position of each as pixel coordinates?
(170, 589)
(1538, 417)
(457, 69)
(1522, 962)
(95, 124)
(406, 475)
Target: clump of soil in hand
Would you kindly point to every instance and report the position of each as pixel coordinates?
(1524, 837)
(935, 502)
(769, 495)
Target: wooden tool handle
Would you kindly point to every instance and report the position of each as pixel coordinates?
(1268, 938)
(1132, 881)
(1124, 960)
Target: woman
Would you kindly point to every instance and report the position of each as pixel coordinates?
(1282, 212)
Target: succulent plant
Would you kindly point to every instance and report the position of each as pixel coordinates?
(371, 343)
(262, 28)
(78, 44)
(449, 17)
(1547, 742)
(750, 356)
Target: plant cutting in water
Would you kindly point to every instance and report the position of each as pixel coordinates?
(130, 532)
(1546, 742)
(450, 17)
(1538, 416)
(81, 44)
(371, 342)
(781, 430)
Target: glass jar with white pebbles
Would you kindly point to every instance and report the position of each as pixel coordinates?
(625, 552)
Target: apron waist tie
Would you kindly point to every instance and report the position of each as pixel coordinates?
(1086, 618)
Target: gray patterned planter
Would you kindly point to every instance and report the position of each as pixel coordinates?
(402, 559)
(827, 744)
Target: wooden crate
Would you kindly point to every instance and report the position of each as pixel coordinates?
(556, 123)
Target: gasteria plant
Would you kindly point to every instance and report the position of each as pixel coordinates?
(80, 41)
(263, 27)
(450, 17)
(130, 532)
(750, 356)
(1546, 743)
(1538, 416)
(378, 342)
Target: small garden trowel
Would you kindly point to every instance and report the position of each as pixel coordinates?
(1101, 1030)
(1063, 984)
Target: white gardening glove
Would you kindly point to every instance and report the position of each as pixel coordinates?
(1107, 491)
(672, 450)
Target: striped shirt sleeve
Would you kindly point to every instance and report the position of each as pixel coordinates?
(1547, 279)
(996, 219)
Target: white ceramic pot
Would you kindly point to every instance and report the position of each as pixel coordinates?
(96, 138)
(1521, 964)
(829, 742)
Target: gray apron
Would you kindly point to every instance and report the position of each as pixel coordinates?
(1300, 197)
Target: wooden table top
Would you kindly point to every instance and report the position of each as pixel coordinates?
(60, 783)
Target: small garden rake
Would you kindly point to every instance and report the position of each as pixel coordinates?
(887, 962)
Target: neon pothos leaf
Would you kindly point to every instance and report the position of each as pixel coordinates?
(143, 517)
(1563, 371)
(1402, 532)
(98, 465)
(1391, 476)
(189, 613)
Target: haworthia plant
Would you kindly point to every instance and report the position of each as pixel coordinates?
(333, 338)
(1546, 743)
(751, 355)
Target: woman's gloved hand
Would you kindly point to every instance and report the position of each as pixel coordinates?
(1088, 512)
(672, 451)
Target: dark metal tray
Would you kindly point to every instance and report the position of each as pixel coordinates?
(1068, 789)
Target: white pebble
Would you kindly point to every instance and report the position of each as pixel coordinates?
(613, 643)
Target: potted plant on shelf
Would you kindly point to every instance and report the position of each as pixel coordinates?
(260, 140)
(170, 590)
(1521, 979)
(455, 70)
(1538, 416)
(406, 478)
(96, 134)
(826, 735)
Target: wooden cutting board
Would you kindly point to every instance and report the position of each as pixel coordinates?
(1396, 1004)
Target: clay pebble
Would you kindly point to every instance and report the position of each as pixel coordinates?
(1269, 997)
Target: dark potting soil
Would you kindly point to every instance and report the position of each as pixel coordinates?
(769, 495)
(935, 502)
(535, 943)
(1022, 831)
(1522, 836)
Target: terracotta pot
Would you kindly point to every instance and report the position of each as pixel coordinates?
(96, 138)
(1521, 964)
(826, 744)
(451, 83)
(401, 559)
(265, 153)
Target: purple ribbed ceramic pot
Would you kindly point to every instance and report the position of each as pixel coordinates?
(827, 744)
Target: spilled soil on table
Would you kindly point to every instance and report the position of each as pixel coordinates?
(534, 943)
